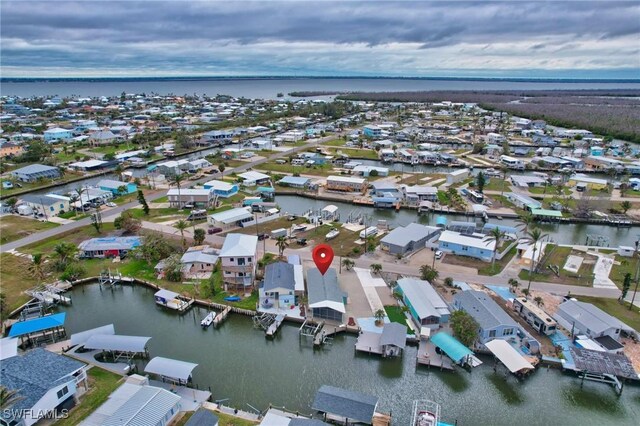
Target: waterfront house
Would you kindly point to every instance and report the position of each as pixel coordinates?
(425, 305)
(473, 245)
(494, 322)
(107, 247)
(346, 184)
(279, 285)
(298, 182)
(525, 181)
(222, 189)
(199, 262)
(253, 178)
(585, 318)
(415, 194)
(90, 165)
(407, 239)
(10, 149)
(220, 136)
(238, 261)
(535, 316)
(372, 131)
(408, 156)
(522, 201)
(172, 167)
(231, 218)
(136, 402)
(457, 176)
(43, 382)
(344, 406)
(34, 172)
(589, 182)
(390, 342)
(196, 197)
(57, 134)
(382, 187)
(366, 171)
(46, 205)
(117, 187)
(325, 297)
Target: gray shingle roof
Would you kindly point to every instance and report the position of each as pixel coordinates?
(345, 403)
(202, 417)
(279, 275)
(487, 313)
(394, 334)
(323, 287)
(34, 373)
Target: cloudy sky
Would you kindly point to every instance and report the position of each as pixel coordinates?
(567, 39)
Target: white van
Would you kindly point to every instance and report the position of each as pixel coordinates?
(369, 232)
(297, 162)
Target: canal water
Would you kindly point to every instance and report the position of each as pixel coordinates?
(243, 367)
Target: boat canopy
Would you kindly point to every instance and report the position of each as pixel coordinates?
(453, 348)
(105, 342)
(171, 368)
(83, 336)
(39, 324)
(508, 355)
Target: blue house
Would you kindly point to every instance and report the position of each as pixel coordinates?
(372, 131)
(425, 305)
(57, 133)
(222, 189)
(472, 245)
(597, 151)
(116, 187)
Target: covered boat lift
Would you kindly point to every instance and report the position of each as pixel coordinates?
(171, 370)
(82, 337)
(455, 350)
(120, 347)
(50, 327)
(509, 357)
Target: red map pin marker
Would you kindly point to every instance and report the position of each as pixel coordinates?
(323, 256)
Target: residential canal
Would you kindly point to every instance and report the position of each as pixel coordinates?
(238, 363)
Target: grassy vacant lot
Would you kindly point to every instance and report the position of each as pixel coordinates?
(15, 279)
(335, 142)
(369, 154)
(612, 307)
(316, 170)
(395, 314)
(627, 265)
(558, 258)
(102, 383)
(16, 227)
(484, 268)
(497, 184)
(342, 245)
(223, 420)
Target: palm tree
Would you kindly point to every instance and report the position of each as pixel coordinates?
(37, 267)
(177, 179)
(514, 284)
(74, 198)
(8, 397)
(118, 171)
(348, 263)
(625, 205)
(282, 244)
(198, 236)
(379, 316)
(526, 292)
(533, 237)
(495, 236)
(525, 221)
(376, 268)
(538, 300)
(182, 225)
(65, 251)
(428, 273)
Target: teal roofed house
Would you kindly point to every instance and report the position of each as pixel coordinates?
(117, 187)
(222, 189)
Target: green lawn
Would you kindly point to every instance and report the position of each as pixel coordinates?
(102, 383)
(612, 307)
(548, 190)
(627, 265)
(316, 170)
(335, 142)
(15, 279)
(558, 258)
(164, 199)
(16, 227)
(497, 184)
(369, 154)
(395, 314)
(37, 185)
(220, 294)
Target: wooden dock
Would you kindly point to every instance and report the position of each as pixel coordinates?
(370, 343)
(221, 316)
(274, 326)
(428, 356)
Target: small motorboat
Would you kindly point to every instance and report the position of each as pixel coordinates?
(232, 299)
(208, 320)
(332, 234)
(299, 227)
(425, 418)
(425, 413)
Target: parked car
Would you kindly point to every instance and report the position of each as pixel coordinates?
(263, 236)
(111, 204)
(281, 161)
(301, 241)
(439, 254)
(212, 231)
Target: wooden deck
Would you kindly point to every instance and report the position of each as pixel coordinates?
(428, 356)
(369, 342)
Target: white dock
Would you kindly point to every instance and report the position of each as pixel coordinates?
(221, 316)
(275, 325)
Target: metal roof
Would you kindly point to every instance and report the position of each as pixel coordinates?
(110, 243)
(279, 275)
(166, 294)
(351, 405)
(39, 324)
(403, 235)
(108, 342)
(80, 338)
(453, 348)
(590, 316)
(324, 290)
(239, 245)
(8, 347)
(425, 301)
(233, 215)
(508, 355)
(487, 313)
(148, 406)
(112, 184)
(34, 168)
(172, 368)
(253, 176)
(294, 180)
(395, 334)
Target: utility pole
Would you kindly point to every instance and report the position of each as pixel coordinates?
(635, 290)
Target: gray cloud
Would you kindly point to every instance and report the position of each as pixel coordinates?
(256, 36)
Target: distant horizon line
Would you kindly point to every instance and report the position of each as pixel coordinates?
(311, 77)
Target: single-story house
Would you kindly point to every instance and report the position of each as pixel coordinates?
(425, 305)
(407, 239)
(279, 285)
(325, 297)
(115, 186)
(89, 165)
(590, 182)
(380, 188)
(136, 402)
(525, 181)
(34, 172)
(346, 184)
(295, 181)
(231, 218)
(366, 171)
(199, 261)
(222, 189)
(102, 137)
(44, 381)
(46, 205)
(253, 178)
(473, 245)
(522, 201)
(199, 197)
(585, 318)
(108, 246)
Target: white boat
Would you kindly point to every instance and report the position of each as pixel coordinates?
(332, 234)
(299, 227)
(208, 320)
(425, 413)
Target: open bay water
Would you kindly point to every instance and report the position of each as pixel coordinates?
(268, 88)
(240, 364)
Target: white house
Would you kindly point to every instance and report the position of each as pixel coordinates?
(231, 218)
(57, 133)
(238, 258)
